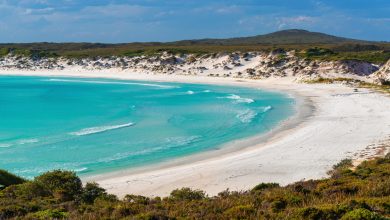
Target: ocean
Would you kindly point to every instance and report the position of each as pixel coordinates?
(94, 126)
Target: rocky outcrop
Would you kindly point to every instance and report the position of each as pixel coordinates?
(256, 65)
(382, 76)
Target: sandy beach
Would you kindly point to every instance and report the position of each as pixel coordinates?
(333, 122)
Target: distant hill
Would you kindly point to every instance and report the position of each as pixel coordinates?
(292, 36)
(286, 39)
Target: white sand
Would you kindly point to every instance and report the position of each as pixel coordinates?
(343, 124)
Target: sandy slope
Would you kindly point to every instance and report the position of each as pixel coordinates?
(343, 124)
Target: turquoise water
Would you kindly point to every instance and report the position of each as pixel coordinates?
(98, 125)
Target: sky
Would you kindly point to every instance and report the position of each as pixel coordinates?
(116, 21)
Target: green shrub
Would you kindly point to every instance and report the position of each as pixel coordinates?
(263, 186)
(64, 185)
(7, 179)
(240, 212)
(361, 214)
(50, 214)
(278, 205)
(137, 199)
(187, 194)
(30, 190)
(91, 191)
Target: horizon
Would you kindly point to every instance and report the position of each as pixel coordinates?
(127, 21)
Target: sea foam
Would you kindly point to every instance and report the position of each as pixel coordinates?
(95, 130)
(5, 145)
(238, 99)
(28, 141)
(248, 115)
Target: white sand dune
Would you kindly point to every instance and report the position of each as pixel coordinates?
(343, 123)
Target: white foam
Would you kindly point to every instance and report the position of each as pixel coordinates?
(28, 141)
(5, 145)
(246, 116)
(19, 142)
(80, 169)
(267, 108)
(238, 99)
(108, 82)
(206, 91)
(189, 92)
(95, 130)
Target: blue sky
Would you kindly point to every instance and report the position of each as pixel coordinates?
(151, 20)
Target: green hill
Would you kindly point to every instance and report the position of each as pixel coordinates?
(287, 39)
(292, 36)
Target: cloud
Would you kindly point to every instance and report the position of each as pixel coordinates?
(219, 9)
(301, 20)
(228, 9)
(118, 11)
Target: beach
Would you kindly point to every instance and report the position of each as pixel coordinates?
(333, 122)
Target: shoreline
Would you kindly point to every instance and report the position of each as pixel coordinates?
(239, 169)
(303, 110)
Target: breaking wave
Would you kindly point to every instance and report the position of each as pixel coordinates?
(28, 141)
(95, 130)
(19, 142)
(248, 115)
(238, 99)
(5, 145)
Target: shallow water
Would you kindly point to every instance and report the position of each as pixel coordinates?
(93, 126)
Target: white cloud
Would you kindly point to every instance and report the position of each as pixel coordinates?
(115, 10)
(228, 9)
(286, 22)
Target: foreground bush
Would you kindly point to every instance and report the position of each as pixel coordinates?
(360, 193)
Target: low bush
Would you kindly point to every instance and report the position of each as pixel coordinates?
(360, 193)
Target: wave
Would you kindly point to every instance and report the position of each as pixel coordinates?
(206, 91)
(19, 142)
(189, 92)
(267, 108)
(28, 141)
(5, 145)
(95, 130)
(238, 99)
(248, 115)
(108, 82)
(80, 169)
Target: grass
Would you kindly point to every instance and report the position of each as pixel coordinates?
(324, 54)
(384, 88)
(359, 193)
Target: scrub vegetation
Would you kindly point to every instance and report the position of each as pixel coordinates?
(361, 192)
(309, 45)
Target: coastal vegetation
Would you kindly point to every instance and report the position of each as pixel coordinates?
(384, 87)
(361, 192)
(309, 45)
